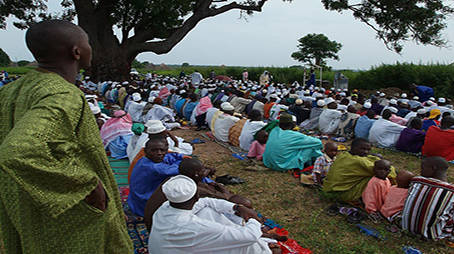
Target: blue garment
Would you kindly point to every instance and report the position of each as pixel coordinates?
(250, 106)
(402, 112)
(427, 123)
(146, 178)
(114, 95)
(118, 146)
(190, 106)
(424, 93)
(179, 105)
(287, 149)
(311, 80)
(377, 108)
(363, 126)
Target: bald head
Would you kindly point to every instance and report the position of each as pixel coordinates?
(434, 167)
(58, 41)
(192, 168)
(447, 122)
(403, 179)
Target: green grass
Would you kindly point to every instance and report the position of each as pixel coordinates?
(17, 70)
(301, 210)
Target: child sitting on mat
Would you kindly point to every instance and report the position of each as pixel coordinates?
(395, 199)
(377, 188)
(258, 146)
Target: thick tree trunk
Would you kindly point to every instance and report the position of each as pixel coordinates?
(110, 63)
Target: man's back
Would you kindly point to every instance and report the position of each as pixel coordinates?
(51, 158)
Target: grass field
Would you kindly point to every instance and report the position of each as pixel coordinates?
(301, 210)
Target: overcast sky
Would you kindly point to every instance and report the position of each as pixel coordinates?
(268, 39)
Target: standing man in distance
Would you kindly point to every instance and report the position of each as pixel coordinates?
(57, 191)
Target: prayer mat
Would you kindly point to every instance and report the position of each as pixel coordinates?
(120, 170)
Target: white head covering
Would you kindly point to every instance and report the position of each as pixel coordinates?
(329, 100)
(227, 106)
(342, 107)
(367, 105)
(298, 101)
(441, 100)
(125, 83)
(415, 98)
(421, 111)
(342, 94)
(179, 189)
(382, 94)
(94, 108)
(154, 126)
(393, 101)
(404, 95)
(393, 109)
(432, 98)
(136, 97)
(182, 91)
(320, 103)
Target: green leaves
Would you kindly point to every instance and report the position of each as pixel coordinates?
(316, 47)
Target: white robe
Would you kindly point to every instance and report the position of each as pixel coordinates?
(222, 126)
(329, 120)
(276, 110)
(163, 114)
(209, 115)
(248, 132)
(258, 105)
(135, 110)
(179, 231)
(385, 133)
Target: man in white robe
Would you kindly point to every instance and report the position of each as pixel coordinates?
(224, 122)
(385, 133)
(135, 108)
(330, 118)
(187, 224)
(252, 125)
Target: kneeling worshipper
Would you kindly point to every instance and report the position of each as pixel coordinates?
(156, 128)
(312, 122)
(428, 208)
(135, 108)
(348, 122)
(201, 112)
(330, 117)
(187, 224)
(287, 149)
(250, 128)
(223, 120)
(432, 120)
(412, 138)
(158, 112)
(195, 170)
(440, 141)
(385, 133)
(150, 171)
(116, 134)
(351, 171)
(364, 123)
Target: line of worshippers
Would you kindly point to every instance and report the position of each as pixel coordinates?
(271, 137)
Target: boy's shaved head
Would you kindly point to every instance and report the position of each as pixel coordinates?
(434, 167)
(192, 168)
(403, 179)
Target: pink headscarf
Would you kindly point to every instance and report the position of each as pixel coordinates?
(203, 106)
(119, 125)
(164, 93)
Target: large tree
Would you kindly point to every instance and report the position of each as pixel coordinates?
(4, 58)
(314, 48)
(158, 25)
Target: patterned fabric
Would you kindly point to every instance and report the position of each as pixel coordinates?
(119, 125)
(321, 166)
(429, 208)
(51, 158)
(235, 132)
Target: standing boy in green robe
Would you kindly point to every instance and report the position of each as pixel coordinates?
(57, 191)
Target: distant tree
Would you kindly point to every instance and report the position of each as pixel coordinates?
(314, 48)
(22, 63)
(4, 58)
(185, 65)
(137, 64)
(159, 25)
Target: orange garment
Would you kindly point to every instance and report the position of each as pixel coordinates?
(266, 109)
(139, 156)
(375, 193)
(235, 132)
(394, 201)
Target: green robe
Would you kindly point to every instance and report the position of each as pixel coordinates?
(51, 157)
(349, 174)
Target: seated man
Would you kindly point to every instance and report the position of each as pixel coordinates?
(203, 225)
(351, 171)
(428, 210)
(385, 133)
(412, 138)
(195, 170)
(223, 121)
(364, 124)
(150, 171)
(250, 128)
(287, 149)
(312, 122)
(330, 118)
(116, 134)
(440, 141)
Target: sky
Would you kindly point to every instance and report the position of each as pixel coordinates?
(268, 38)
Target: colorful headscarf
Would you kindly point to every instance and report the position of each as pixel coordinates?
(119, 125)
(203, 106)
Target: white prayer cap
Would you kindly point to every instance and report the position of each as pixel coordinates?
(367, 105)
(329, 100)
(278, 93)
(345, 89)
(378, 92)
(264, 91)
(182, 91)
(298, 102)
(179, 189)
(382, 94)
(94, 108)
(151, 98)
(274, 96)
(393, 101)
(320, 103)
(136, 97)
(125, 83)
(294, 119)
(154, 126)
(404, 95)
(87, 77)
(90, 96)
(441, 100)
(393, 109)
(416, 98)
(338, 89)
(317, 88)
(323, 89)
(342, 107)
(109, 82)
(306, 92)
(421, 111)
(332, 88)
(430, 103)
(432, 98)
(342, 94)
(227, 106)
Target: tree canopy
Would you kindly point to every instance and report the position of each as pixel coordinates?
(158, 25)
(314, 48)
(4, 58)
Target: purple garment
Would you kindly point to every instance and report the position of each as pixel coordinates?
(411, 140)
